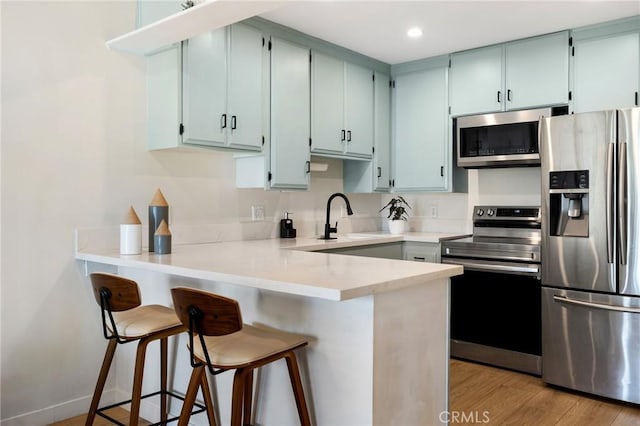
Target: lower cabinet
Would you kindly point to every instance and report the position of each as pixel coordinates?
(421, 252)
(405, 250)
(385, 251)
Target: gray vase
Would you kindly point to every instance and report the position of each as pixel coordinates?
(156, 215)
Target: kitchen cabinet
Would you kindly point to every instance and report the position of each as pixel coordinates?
(285, 161)
(521, 74)
(375, 175)
(290, 115)
(421, 147)
(384, 251)
(341, 108)
(222, 88)
(606, 72)
(421, 252)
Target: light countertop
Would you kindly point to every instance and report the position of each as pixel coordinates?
(290, 265)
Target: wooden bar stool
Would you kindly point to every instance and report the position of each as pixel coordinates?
(219, 340)
(125, 320)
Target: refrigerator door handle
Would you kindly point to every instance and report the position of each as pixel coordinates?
(604, 306)
(622, 202)
(610, 201)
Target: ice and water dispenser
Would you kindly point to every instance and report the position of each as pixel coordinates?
(569, 203)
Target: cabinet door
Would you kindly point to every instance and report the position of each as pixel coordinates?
(245, 88)
(606, 72)
(149, 12)
(205, 89)
(537, 71)
(290, 115)
(420, 141)
(328, 133)
(358, 110)
(476, 81)
(421, 252)
(382, 133)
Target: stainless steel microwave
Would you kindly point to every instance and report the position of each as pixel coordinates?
(503, 139)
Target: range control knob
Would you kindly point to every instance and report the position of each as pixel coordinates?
(480, 212)
(491, 212)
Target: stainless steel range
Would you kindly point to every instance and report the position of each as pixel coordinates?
(495, 304)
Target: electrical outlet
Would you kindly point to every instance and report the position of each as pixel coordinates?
(434, 211)
(257, 213)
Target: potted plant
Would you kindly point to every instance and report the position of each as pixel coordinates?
(397, 214)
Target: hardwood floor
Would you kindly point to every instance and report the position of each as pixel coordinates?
(117, 413)
(493, 396)
(486, 395)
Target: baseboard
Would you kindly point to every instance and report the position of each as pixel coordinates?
(57, 412)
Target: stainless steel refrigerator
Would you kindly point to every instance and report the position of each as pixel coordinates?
(590, 235)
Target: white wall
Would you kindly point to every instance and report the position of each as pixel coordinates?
(73, 120)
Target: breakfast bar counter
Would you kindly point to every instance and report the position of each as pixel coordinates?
(378, 328)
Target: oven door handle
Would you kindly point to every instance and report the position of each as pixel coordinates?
(492, 267)
(604, 306)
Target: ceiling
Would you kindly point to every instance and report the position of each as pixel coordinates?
(378, 28)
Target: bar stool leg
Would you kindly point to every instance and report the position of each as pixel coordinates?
(190, 396)
(248, 398)
(136, 393)
(163, 380)
(102, 379)
(237, 397)
(298, 392)
(208, 400)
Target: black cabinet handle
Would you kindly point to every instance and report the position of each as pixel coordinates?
(636, 98)
(509, 95)
(419, 258)
(348, 135)
(343, 135)
(223, 121)
(308, 167)
(233, 122)
(379, 172)
(442, 171)
(499, 96)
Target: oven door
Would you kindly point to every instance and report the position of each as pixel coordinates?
(496, 313)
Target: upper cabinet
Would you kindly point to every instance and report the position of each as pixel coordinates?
(606, 67)
(222, 88)
(421, 145)
(369, 176)
(521, 74)
(290, 115)
(341, 108)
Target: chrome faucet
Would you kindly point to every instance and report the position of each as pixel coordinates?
(327, 226)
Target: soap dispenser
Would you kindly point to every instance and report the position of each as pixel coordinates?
(286, 227)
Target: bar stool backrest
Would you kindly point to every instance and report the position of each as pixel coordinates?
(208, 313)
(114, 294)
(122, 293)
(205, 314)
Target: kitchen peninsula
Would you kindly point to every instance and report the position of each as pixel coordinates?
(378, 327)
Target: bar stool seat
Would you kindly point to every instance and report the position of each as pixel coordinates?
(246, 346)
(219, 342)
(124, 320)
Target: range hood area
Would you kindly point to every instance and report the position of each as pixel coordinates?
(203, 17)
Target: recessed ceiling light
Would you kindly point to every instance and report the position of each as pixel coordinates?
(414, 32)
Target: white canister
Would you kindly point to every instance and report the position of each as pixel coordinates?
(130, 238)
